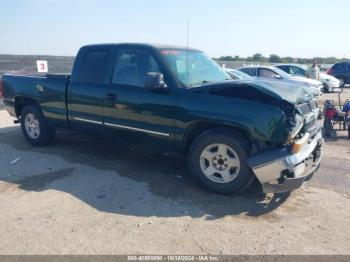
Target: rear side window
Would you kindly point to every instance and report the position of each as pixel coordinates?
(249, 70)
(298, 71)
(132, 65)
(92, 69)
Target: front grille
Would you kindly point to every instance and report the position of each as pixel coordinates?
(312, 127)
(304, 109)
(307, 107)
(311, 124)
(313, 105)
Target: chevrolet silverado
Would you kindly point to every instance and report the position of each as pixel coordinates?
(177, 100)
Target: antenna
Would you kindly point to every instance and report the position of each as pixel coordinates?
(188, 33)
(187, 47)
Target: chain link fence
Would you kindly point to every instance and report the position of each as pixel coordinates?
(26, 64)
(238, 64)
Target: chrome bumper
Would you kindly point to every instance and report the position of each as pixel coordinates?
(280, 171)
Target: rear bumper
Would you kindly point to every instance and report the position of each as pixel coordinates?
(280, 171)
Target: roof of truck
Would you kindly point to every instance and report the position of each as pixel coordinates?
(156, 46)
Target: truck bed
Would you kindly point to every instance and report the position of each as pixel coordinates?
(49, 91)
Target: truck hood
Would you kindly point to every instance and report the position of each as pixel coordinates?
(279, 90)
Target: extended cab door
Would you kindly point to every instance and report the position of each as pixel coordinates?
(88, 88)
(132, 112)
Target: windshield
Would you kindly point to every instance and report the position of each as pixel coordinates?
(193, 68)
(281, 73)
(239, 74)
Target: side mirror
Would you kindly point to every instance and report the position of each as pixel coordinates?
(277, 77)
(155, 82)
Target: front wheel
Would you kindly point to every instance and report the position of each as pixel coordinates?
(217, 159)
(342, 81)
(35, 127)
(325, 89)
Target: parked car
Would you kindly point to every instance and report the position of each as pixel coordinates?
(180, 101)
(330, 83)
(341, 71)
(278, 74)
(236, 74)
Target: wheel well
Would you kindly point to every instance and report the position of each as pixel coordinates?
(21, 102)
(199, 128)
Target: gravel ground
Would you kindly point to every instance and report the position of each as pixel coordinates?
(79, 196)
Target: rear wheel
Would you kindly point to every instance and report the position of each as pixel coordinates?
(217, 159)
(35, 127)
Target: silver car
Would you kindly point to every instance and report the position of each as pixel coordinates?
(272, 72)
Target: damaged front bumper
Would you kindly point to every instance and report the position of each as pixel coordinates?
(282, 171)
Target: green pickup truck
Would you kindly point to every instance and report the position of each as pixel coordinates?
(177, 100)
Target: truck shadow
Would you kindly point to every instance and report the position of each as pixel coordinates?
(117, 178)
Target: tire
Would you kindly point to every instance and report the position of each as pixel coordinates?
(325, 88)
(35, 127)
(217, 160)
(342, 80)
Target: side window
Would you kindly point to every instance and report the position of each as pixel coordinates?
(298, 71)
(263, 72)
(92, 69)
(286, 69)
(132, 65)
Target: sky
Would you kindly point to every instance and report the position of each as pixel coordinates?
(298, 28)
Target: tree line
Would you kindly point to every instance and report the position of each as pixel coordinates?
(273, 58)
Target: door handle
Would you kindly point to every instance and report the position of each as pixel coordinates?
(111, 97)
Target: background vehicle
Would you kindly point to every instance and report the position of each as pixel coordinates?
(276, 73)
(180, 101)
(341, 71)
(329, 82)
(236, 74)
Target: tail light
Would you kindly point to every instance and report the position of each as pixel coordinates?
(1, 90)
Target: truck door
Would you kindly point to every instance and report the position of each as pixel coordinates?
(87, 89)
(132, 112)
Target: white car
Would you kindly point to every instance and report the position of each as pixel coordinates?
(330, 83)
(278, 74)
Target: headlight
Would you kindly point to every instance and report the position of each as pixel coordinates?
(297, 124)
(298, 145)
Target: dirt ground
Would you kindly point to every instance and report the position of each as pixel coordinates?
(79, 196)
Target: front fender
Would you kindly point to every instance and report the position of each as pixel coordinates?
(257, 120)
